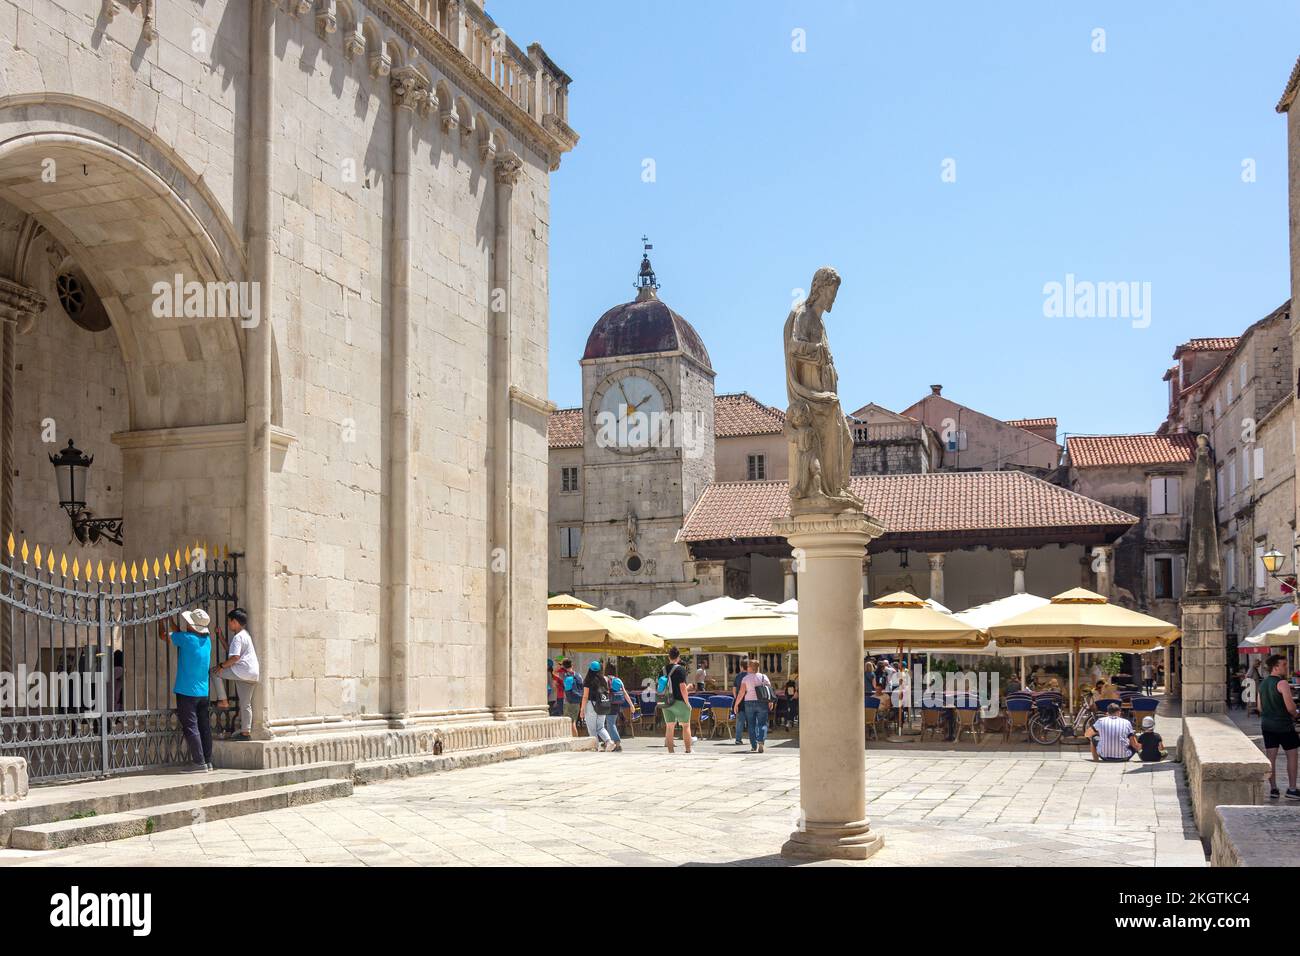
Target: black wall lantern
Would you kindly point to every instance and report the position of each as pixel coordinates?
(70, 468)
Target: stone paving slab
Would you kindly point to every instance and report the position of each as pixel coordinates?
(719, 805)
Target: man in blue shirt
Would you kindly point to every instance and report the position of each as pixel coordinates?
(741, 721)
(193, 655)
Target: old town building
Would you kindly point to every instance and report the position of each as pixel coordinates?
(345, 421)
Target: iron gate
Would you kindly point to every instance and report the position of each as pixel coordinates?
(85, 678)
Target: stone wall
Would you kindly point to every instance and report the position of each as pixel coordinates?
(1223, 767)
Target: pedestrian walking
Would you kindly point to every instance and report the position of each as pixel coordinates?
(674, 692)
(620, 697)
(735, 696)
(755, 697)
(571, 685)
(1148, 678)
(1277, 717)
(193, 651)
(595, 706)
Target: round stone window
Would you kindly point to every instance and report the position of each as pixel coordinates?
(634, 563)
(79, 301)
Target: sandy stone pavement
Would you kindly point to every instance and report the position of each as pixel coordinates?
(719, 805)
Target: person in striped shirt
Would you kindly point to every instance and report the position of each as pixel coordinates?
(1112, 737)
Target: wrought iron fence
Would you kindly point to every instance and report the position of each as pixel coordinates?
(85, 667)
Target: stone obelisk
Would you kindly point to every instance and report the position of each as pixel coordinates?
(828, 533)
(1204, 645)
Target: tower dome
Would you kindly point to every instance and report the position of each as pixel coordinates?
(644, 325)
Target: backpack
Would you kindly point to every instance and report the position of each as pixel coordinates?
(599, 696)
(665, 692)
(572, 688)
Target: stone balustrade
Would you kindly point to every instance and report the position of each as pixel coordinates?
(1223, 768)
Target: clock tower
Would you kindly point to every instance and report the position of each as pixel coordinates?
(647, 387)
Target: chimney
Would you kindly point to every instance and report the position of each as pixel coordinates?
(936, 389)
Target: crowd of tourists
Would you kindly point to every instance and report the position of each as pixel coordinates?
(595, 699)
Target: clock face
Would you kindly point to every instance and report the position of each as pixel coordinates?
(629, 411)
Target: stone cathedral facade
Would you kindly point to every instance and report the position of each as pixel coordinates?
(360, 417)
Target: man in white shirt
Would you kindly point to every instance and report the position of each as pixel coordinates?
(240, 666)
(1112, 737)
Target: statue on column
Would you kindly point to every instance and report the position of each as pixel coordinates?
(821, 446)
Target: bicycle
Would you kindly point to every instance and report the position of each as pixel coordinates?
(1048, 724)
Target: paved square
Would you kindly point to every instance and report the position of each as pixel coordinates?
(720, 804)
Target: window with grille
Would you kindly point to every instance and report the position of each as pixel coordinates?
(569, 479)
(757, 467)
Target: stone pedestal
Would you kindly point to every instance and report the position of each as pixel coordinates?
(832, 749)
(1204, 658)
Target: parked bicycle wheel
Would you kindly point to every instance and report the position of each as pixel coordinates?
(1044, 732)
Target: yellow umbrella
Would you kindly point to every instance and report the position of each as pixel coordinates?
(901, 620)
(756, 629)
(1079, 619)
(576, 626)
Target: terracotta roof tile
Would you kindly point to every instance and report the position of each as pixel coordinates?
(741, 414)
(1099, 451)
(734, 416)
(1218, 344)
(1032, 422)
(564, 428)
(967, 501)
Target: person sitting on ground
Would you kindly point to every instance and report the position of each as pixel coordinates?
(1111, 737)
(1153, 749)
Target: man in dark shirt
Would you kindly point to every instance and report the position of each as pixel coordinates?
(1277, 715)
(735, 696)
(678, 708)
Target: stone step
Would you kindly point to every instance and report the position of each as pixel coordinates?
(155, 819)
(380, 770)
(137, 792)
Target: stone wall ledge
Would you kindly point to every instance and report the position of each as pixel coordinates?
(1223, 768)
(1256, 836)
(365, 746)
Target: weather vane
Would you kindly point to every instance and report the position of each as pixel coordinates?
(646, 277)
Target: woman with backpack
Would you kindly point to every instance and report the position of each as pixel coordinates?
(597, 702)
(755, 696)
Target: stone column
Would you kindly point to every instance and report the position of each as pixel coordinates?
(506, 173)
(1019, 558)
(832, 749)
(255, 575)
(936, 577)
(1204, 676)
(19, 307)
(787, 578)
(1104, 561)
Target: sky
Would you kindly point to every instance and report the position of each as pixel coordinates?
(951, 161)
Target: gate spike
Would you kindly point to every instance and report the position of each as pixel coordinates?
(11, 544)
(49, 562)
(132, 572)
(38, 557)
(24, 551)
(63, 565)
(122, 572)
(155, 568)
(188, 554)
(112, 573)
(76, 569)
(167, 563)
(99, 572)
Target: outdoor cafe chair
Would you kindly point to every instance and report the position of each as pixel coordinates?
(968, 720)
(1018, 710)
(723, 716)
(871, 710)
(932, 721)
(1143, 707)
(650, 713)
(1100, 705)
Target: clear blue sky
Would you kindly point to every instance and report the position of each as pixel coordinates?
(1117, 166)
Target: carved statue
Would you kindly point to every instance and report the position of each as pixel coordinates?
(821, 446)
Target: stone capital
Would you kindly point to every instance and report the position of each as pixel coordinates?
(410, 88)
(1019, 557)
(936, 561)
(508, 169)
(19, 304)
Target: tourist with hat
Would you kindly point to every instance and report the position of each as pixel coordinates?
(193, 652)
(1152, 746)
(597, 702)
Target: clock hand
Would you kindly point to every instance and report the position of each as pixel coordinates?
(624, 391)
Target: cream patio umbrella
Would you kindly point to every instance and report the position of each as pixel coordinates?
(1080, 619)
(576, 626)
(1277, 628)
(901, 620)
(752, 629)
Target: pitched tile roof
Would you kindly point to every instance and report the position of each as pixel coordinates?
(741, 414)
(1216, 344)
(734, 415)
(564, 428)
(1099, 451)
(1032, 422)
(939, 502)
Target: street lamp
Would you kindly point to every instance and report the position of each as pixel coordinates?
(70, 468)
(1273, 560)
